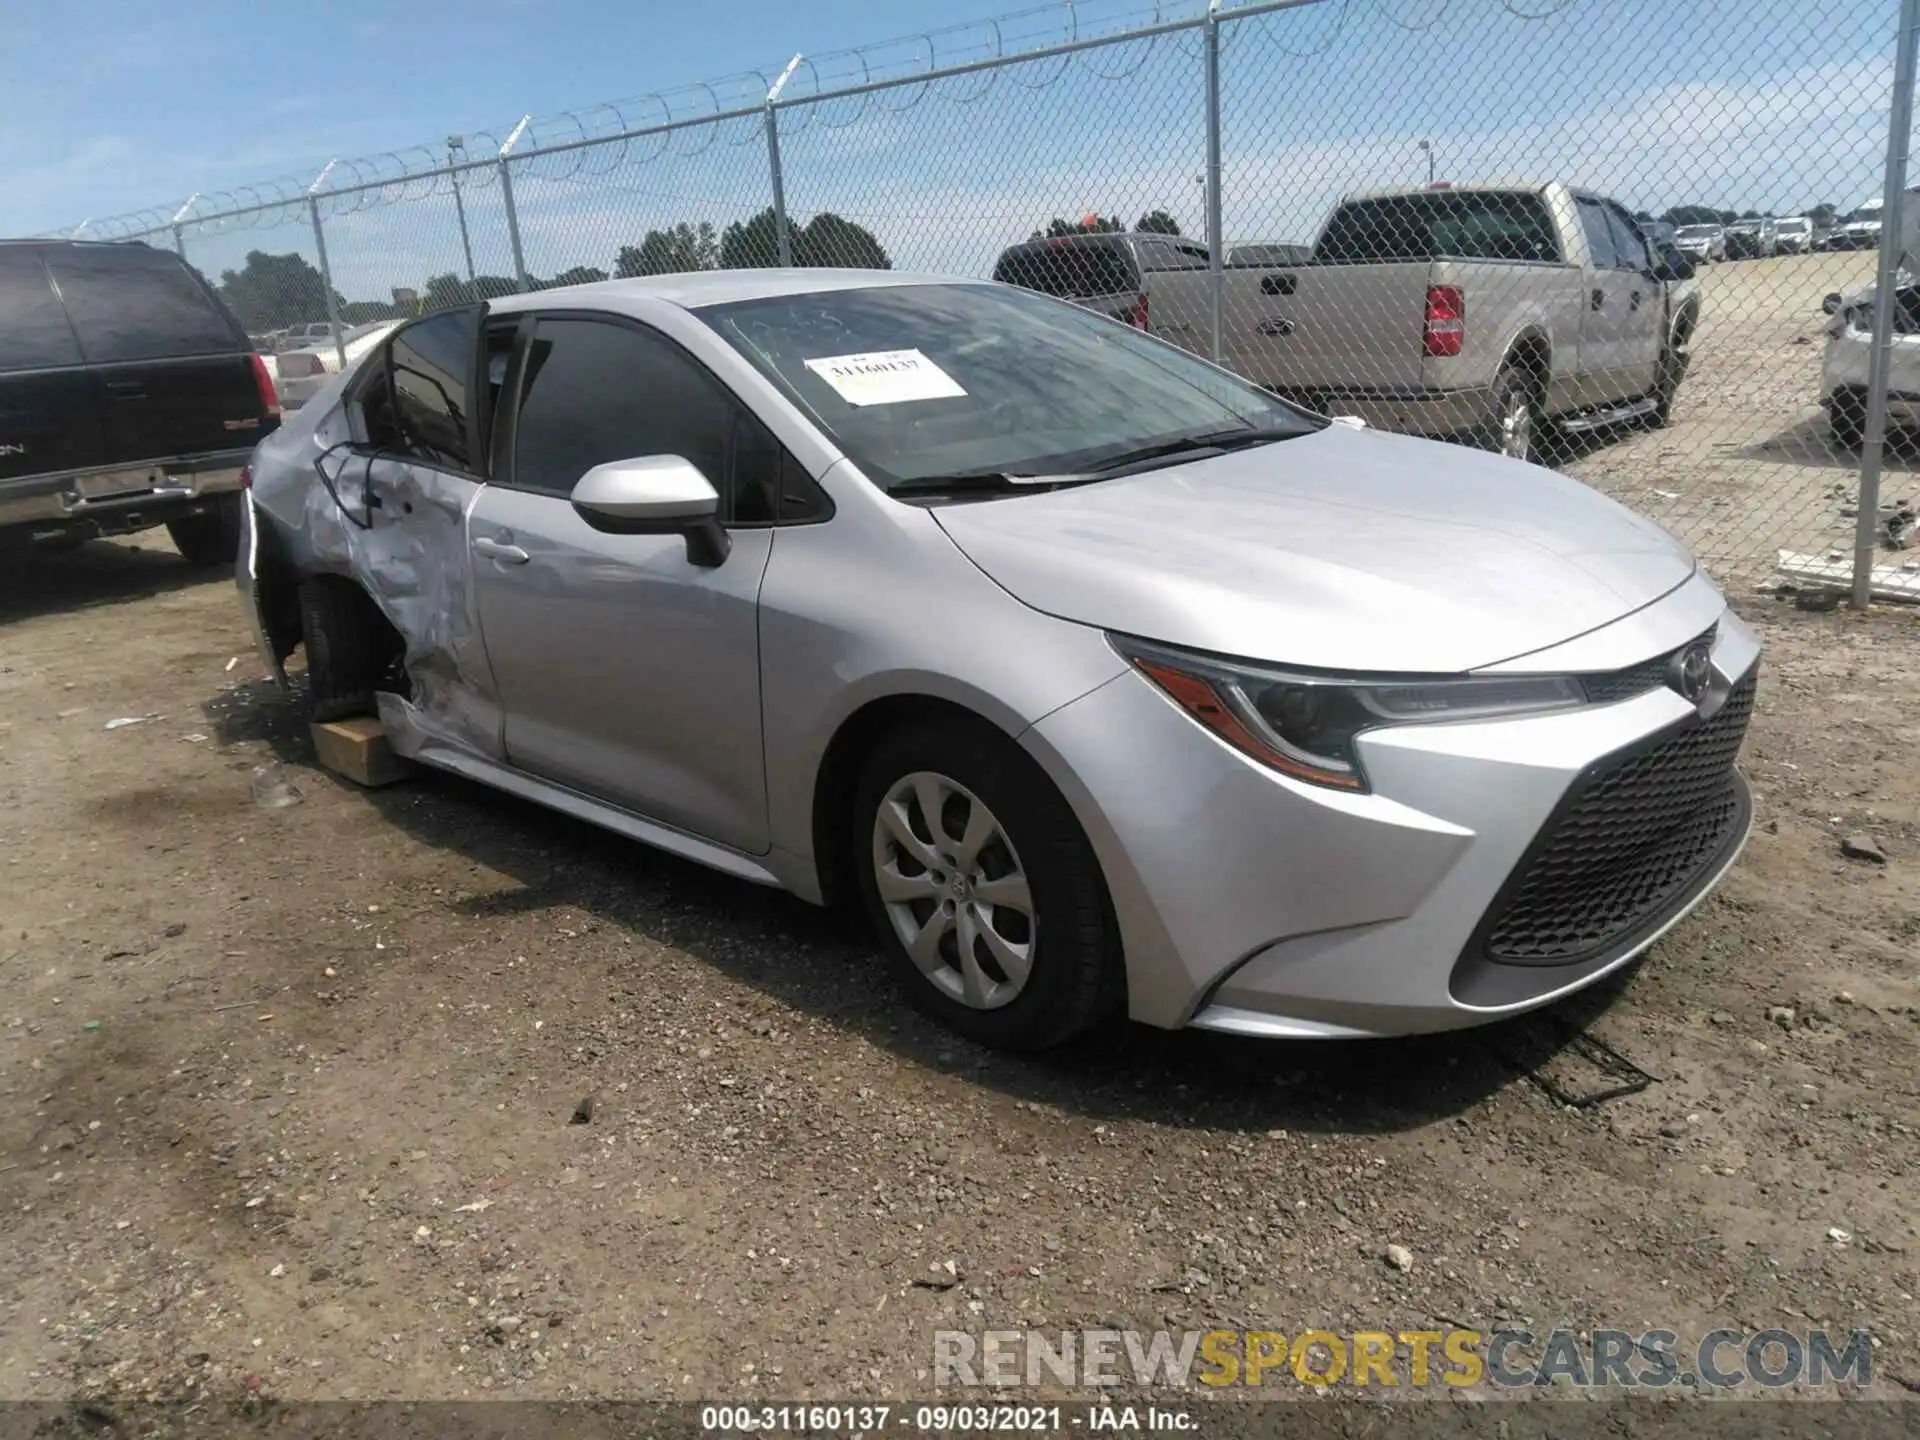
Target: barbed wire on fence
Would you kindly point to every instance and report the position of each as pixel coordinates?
(941, 149)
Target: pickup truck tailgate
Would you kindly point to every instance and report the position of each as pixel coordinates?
(1319, 327)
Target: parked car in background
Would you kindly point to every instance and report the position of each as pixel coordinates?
(1858, 230)
(1480, 312)
(1843, 368)
(1151, 717)
(1750, 239)
(1113, 274)
(1792, 235)
(301, 373)
(1702, 244)
(298, 337)
(129, 398)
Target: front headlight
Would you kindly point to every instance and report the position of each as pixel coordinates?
(1305, 725)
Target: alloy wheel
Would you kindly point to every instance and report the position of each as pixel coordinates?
(1516, 427)
(954, 890)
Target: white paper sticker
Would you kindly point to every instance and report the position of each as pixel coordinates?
(885, 377)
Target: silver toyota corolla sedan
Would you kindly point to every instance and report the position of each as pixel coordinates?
(1105, 681)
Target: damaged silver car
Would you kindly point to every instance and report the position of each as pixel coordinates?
(1104, 680)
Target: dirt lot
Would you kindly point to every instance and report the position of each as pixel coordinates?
(290, 1088)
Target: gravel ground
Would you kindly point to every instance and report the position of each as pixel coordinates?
(422, 1092)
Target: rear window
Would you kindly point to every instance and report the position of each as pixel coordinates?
(1070, 268)
(1444, 225)
(127, 302)
(34, 334)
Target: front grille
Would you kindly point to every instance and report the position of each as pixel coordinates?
(1625, 846)
(1640, 678)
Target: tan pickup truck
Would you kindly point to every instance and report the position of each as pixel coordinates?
(1479, 311)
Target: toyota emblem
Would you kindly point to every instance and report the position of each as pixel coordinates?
(1692, 672)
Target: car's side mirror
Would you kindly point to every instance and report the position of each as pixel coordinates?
(1831, 305)
(1673, 265)
(655, 495)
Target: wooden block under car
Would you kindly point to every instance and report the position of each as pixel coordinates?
(358, 749)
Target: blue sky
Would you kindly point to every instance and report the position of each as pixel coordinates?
(1766, 104)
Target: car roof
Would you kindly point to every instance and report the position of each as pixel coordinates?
(720, 287)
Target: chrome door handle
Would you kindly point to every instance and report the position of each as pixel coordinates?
(505, 554)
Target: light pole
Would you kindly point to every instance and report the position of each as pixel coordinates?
(456, 144)
(1427, 145)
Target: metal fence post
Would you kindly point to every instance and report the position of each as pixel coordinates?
(1216, 242)
(1866, 532)
(783, 236)
(506, 200)
(179, 235)
(326, 270)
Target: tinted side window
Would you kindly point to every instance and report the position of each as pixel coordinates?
(127, 302)
(594, 391)
(1593, 222)
(1070, 268)
(432, 363)
(1629, 245)
(769, 485)
(33, 330)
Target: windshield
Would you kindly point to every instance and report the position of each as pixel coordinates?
(922, 381)
(1865, 212)
(1698, 232)
(1796, 226)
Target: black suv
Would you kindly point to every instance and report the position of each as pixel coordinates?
(129, 397)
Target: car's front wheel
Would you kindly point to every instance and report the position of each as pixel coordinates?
(982, 888)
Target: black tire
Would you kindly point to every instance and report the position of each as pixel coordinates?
(1077, 979)
(348, 649)
(212, 538)
(1847, 419)
(1666, 386)
(1514, 394)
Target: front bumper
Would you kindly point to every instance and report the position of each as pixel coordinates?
(1251, 903)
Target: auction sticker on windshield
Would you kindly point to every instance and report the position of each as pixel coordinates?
(885, 377)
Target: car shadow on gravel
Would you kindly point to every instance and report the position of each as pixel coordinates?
(823, 964)
(1810, 443)
(40, 581)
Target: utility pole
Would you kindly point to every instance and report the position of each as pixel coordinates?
(455, 145)
(1427, 145)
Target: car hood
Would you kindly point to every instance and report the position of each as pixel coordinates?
(1345, 549)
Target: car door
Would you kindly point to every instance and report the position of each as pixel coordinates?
(420, 411)
(1643, 329)
(625, 670)
(1603, 324)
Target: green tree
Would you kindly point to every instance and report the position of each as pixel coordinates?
(752, 244)
(442, 291)
(578, 275)
(672, 251)
(270, 292)
(1157, 222)
(829, 241)
(1085, 225)
(1823, 211)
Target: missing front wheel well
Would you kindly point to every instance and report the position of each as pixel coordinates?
(352, 648)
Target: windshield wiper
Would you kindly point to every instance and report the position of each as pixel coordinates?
(964, 482)
(1205, 442)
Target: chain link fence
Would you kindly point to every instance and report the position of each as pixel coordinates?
(1629, 239)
